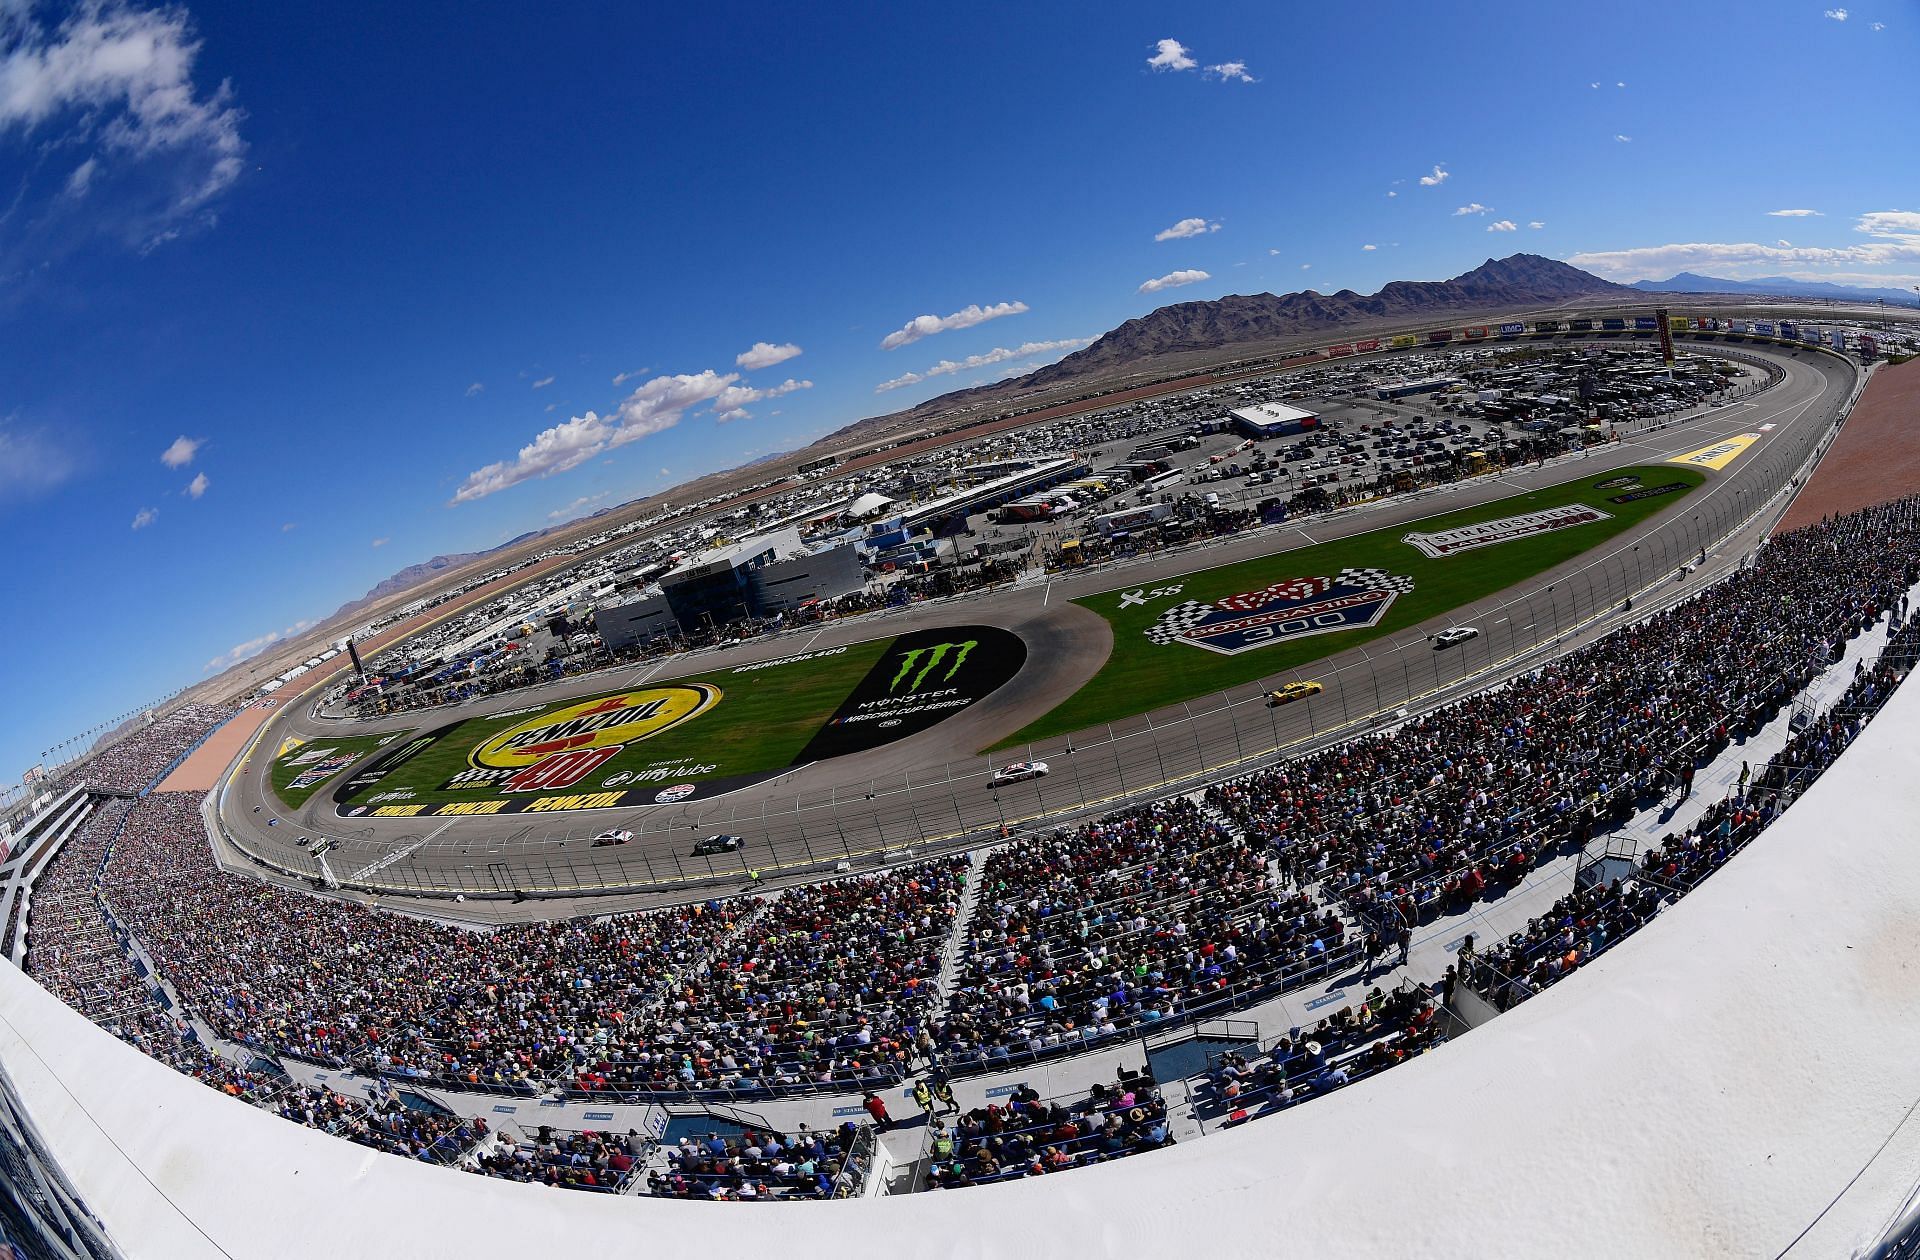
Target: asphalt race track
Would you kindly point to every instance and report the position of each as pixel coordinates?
(932, 790)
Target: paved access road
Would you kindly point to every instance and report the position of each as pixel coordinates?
(932, 790)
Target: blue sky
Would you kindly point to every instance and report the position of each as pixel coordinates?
(414, 280)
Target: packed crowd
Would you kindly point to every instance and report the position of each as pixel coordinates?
(1026, 1137)
(1584, 923)
(76, 951)
(819, 987)
(1465, 799)
(752, 1166)
(602, 1163)
(1142, 916)
(136, 760)
(827, 988)
(1347, 1046)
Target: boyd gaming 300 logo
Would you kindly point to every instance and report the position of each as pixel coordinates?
(1293, 609)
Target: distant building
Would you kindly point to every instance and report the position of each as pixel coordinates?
(758, 577)
(1273, 419)
(635, 624)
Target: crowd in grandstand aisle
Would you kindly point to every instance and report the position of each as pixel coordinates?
(599, 1162)
(1025, 1137)
(1142, 916)
(1350, 1045)
(756, 1166)
(132, 764)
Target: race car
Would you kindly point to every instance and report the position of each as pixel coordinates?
(1291, 692)
(716, 844)
(608, 838)
(1452, 635)
(1019, 772)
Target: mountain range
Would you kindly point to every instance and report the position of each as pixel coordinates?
(1520, 280)
(1776, 286)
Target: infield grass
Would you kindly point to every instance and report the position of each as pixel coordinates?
(1141, 675)
(764, 718)
(283, 771)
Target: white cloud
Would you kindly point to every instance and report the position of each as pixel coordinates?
(999, 354)
(1876, 26)
(1501, 225)
(1392, 193)
(181, 450)
(288, 528)
(1170, 54)
(1273, 253)
(1895, 239)
(197, 487)
(1473, 208)
(1173, 280)
(653, 407)
(1185, 228)
(1619, 85)
(1440, 176)
(730, 402)
(1231, 72)
(634, 375)
(1795, 214)
(252, 647)
(1306, 266)
(381, 542)
(82, 178)
(1838, 15)
(1535, 224)
(922, 326)
(762, 354)
(1620, 139)
(1593, 85)
(118, 82)
(576, 507)
(543, 382)
(145, 517)
(1369, 248)
(475, 390)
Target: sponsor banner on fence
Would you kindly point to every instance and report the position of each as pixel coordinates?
(1284, 611)
(1720, 454)
(1448, 542)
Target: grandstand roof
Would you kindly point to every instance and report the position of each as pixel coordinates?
(1738, 1079)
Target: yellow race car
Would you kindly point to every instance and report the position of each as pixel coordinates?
(1293, 691)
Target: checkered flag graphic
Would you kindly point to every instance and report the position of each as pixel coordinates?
(1375, 579)
(1181, 616)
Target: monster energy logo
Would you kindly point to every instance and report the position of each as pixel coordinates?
(928, 658)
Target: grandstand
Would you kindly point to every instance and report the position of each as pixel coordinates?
(1266, 895)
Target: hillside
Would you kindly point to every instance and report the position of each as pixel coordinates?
(1515, 282)
(1776, 286)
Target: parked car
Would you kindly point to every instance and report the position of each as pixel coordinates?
(1293, 691)
(717, 844)
(1019, 772)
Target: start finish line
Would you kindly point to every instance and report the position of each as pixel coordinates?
(1448, 542)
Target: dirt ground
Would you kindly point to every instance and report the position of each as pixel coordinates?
(1875, 458)
(202, 769)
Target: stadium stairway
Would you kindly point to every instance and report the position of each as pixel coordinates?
(962, 924)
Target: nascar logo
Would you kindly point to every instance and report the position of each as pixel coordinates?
(1294, 609)
(609, 722)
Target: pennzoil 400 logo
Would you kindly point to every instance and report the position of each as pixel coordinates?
(561, 747)
(1294, 609)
